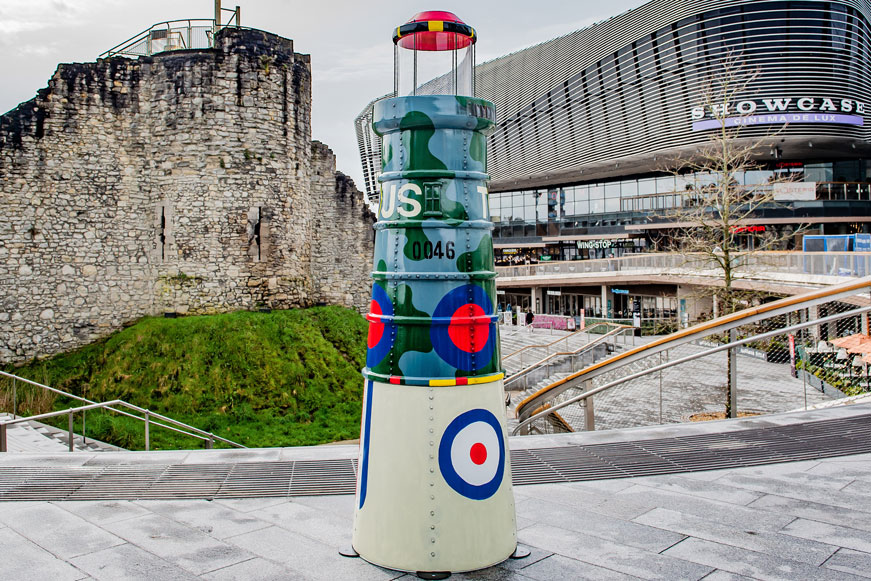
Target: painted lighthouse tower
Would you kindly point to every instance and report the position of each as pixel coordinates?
(434, 480)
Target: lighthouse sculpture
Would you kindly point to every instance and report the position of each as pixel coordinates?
(434, 481)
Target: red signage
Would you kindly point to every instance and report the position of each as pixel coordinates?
(747, 229)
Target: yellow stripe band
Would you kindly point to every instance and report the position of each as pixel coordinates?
(442, 382)
(466, 380)
(436, 26)
(486, 379)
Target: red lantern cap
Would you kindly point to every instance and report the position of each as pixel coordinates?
(434, 30)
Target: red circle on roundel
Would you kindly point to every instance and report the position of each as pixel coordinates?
(469, 335)
(478, 453)
(376, 327)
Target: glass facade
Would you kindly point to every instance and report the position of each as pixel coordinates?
(584, 201)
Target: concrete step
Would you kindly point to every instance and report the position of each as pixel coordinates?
(38, 438)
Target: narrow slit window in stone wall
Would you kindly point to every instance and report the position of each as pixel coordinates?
(256, 233)
(162, 235)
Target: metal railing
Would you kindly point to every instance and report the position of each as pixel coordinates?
(825, 191)
(765, 353)
(186, 34)
(570, 359)
(604, 327)
(148, 417)
(749, 265)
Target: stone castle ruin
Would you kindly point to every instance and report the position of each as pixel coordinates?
(184, 182)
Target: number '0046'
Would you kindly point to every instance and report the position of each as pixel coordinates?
(427, 250)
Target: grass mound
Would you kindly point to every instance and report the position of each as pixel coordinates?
(283, 378)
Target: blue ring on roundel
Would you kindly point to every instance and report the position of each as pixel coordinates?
(379, 351)
(366, 429)
(449, 473)
(440, 334)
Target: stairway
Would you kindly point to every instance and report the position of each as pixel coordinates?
(37, 438)
(559, 368)
(515, 338)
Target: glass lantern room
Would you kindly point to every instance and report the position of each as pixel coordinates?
(434, 54)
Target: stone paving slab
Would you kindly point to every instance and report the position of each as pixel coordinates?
(616, 530)
(823, 513)
(748, 563)
(848, 561)
(23, 559)
(733, 515)
(58, 531)
(610, 555)
(128, 561)
(836, 535)
(746, 537)
(189, 548)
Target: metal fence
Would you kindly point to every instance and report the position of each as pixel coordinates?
(792, 354)
(21, 393)
(756, 264)
(530, 354)
(165, 36)
(553, 361)
(824, 191)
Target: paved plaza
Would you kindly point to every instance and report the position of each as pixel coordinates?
(800, 520)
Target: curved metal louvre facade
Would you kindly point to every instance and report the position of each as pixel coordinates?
(370, 150)
(625, 86)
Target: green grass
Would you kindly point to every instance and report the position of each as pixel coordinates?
(283, 378)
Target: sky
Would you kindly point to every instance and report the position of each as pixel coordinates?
(350, 42)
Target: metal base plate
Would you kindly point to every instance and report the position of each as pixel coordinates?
(520, 553)
(433, 574)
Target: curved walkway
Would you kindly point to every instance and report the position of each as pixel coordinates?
(806, 519)
(222, 477)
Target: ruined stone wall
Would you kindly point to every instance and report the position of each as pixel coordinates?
(344, 238)
(182, 182)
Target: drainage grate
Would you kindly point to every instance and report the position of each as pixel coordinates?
(822, 439)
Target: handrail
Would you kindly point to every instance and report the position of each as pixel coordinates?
(564, 338)
(181, 427)
(82, 399)
(793, 262)
(587, 394)
(723, 323)
(578, 351)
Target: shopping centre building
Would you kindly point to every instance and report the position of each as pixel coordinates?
(588, 123)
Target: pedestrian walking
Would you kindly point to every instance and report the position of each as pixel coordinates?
(529, 318)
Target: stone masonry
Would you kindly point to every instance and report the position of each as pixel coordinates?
(185, 182)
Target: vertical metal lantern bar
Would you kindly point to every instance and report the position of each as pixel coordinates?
(455, 88)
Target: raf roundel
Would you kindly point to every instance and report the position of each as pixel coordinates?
(472, 454)
(463, 332)
(381, 326)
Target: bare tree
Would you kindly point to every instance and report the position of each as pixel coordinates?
(714, 219)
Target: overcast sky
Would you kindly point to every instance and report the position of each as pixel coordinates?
(349, 42)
